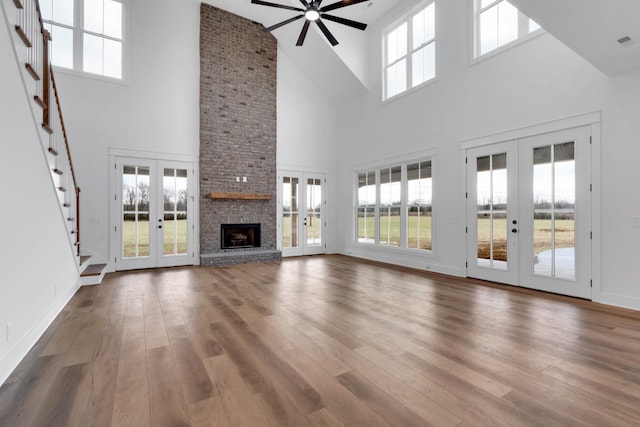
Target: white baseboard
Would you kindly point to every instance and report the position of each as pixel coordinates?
(617, 300)
(404, 259)
(26, 343)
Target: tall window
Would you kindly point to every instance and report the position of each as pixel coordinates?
(390, 205)
(499, 23)
(394, 206)
(419, 207)
(410, 52)
(366, 207)
(87, 35)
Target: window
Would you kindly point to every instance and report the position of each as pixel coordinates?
(499, 23)
(410, 52)
(366, 206)
(87, 35)
(394, 206)
(419, 191)
(390, 206)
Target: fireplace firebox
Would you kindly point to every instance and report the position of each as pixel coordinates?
(238, 236)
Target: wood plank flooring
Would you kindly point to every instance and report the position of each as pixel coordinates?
(325, 341)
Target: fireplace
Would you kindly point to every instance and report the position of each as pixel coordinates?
(238, 236)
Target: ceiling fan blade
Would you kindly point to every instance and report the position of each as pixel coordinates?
(280, 6)
(278, 25)
(340, 4)
(303, 33)
(304, 3)
(345, 21)
(327, 33)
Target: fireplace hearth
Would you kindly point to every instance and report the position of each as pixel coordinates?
(239, 236)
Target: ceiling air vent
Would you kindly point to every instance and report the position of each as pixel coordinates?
(625, 41)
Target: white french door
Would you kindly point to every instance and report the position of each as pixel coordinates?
(492, 213)
(302, 221)
(529, 212)
(153, 213)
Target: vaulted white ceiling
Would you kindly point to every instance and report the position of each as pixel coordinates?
(589, 27)
(592, 28)
(342, 70)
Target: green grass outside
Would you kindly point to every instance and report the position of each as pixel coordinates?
(565, 237)
(419, 230)
(542, 234)
(291, 239)
(169, 227)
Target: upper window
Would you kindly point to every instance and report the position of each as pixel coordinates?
(410, 52)
(498, 23)
(87, 34)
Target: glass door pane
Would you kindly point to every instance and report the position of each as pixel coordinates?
(491, 194)
(175, 214)
(492, 212)
(554, 210)
(153, 224)
(314, 212)
(302, 222)
(135, 226)
(290, 213)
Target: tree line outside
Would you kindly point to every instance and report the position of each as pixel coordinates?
(135, 233)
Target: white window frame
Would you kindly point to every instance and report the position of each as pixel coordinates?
(404, 205)
(78, 43)
(524, 32)
(408, 20)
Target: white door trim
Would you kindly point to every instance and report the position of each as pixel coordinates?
(592, 119)
(303, 175)
(114, 214)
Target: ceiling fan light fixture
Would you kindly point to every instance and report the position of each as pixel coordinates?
(312, 15)
(312, 11)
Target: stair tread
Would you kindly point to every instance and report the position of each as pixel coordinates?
(93, 270)
(84, 258)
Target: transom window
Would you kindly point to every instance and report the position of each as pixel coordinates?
(498, 23)
(87, 35)
(410, 51)
(394, 206)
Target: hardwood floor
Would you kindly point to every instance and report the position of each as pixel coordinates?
(325, 341)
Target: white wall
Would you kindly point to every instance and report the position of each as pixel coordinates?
(156, 109)
(39, 273)
(535, 82)
(307, 134)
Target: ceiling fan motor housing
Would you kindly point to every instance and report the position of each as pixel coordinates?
(314, 12)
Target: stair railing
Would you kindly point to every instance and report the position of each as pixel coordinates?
(31, 31)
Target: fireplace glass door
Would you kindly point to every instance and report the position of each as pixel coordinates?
(302, 205)
(153, 213)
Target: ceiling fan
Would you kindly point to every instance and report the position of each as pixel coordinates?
(313, 12)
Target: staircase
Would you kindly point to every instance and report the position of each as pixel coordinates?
(32, 44)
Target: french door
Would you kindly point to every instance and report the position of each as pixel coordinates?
(153, 213)
(529, 212)
(303, 210)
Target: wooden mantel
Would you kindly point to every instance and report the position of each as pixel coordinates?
(223, 195)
